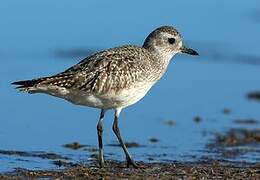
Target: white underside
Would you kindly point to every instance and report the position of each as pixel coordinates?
(120, 99)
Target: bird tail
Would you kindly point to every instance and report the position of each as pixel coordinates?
(35, 85)
(27, 85)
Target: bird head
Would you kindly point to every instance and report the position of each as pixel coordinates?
(166, 41)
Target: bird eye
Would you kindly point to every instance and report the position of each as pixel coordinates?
(171, 40)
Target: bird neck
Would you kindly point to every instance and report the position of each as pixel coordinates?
(161, 54)
(160, 62)
(162, 57)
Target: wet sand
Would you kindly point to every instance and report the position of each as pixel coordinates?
(113, 169)
(227, 145)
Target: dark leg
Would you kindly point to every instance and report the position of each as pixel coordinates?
(116, 130)
(100, 133)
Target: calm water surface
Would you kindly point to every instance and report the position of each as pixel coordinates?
(46, 37)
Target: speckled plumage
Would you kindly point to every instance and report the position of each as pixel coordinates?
(114, 78)
(109, 72)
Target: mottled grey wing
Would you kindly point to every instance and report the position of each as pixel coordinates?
(112, 69)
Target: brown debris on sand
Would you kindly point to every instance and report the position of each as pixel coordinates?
(236, 137)
(153, 140)
(226, 111)
(117, 170)
(128, 145)
(197, 119)
(235, 142)
(74, 145)
(246, 121)
(39, 154)
(169, 122)
(254, 95)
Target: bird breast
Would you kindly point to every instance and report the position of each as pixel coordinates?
(112, 99)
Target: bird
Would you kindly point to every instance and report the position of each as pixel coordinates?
(113, 79)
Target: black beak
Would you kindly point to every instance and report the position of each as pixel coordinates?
(189, 51)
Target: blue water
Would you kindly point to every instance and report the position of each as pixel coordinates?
(40, 38)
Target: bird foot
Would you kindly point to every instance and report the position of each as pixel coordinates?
(101, 165)
(132, 163)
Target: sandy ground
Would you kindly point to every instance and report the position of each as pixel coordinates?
(117, 170)
(225, 144)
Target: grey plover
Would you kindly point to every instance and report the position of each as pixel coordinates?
(114, 78)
